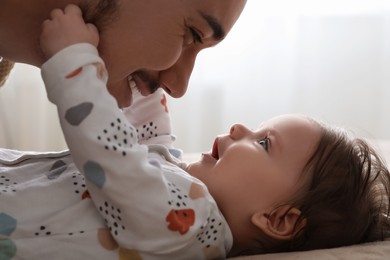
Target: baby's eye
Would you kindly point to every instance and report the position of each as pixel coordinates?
(195, 36)
(265, 142)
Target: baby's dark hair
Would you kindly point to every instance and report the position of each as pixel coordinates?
(345, 200)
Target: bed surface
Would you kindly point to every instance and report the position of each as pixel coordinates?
(375, 250)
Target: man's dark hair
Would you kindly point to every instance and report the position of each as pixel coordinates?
(100, 13)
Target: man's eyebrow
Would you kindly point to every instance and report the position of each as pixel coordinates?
(219, 32)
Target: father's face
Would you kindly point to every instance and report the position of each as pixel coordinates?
(157, 42)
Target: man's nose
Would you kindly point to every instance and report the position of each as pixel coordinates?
(175, 79)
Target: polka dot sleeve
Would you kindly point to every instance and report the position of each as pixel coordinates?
(143, 206)
(150, 116)
(103, 144)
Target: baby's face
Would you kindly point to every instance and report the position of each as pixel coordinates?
(249, 171)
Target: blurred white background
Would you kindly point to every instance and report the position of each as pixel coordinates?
(326, 58)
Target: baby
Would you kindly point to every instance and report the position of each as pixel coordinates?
(292, 184)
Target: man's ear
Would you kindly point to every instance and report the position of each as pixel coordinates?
(280, 224)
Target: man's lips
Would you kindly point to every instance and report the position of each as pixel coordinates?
(134, 87)
(145, 83)
(132, 84)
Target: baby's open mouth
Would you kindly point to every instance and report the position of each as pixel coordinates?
(214, 152)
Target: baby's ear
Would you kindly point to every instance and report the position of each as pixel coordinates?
(280, 224)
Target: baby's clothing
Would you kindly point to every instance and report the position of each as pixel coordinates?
(118, 194)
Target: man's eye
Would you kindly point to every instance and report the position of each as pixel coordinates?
(265, 142)
(195, 35)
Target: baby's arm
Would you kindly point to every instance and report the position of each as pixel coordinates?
(64, 28)
(135, 192)
(150, 115)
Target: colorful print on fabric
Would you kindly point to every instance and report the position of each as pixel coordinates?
(147, 131)
(175, 152)
(180, 220)
(7, 184)
(155, 163)
(7, 249)
(7, 224)
(74, 73)
(43, 231)
(164, 103)
(117, 137)
(210, 233)
(126, 254)
(56, 170)
(75, 115)
(95, 173)
(79, 185)
(212, 252)
(113, 218)
(196, 191)
(85, 195)
(106, 240)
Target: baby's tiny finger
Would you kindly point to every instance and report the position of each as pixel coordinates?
(47, 26)
(45, 23)
(92, 28)
(94, 34)
(74, 9)
(56, 12)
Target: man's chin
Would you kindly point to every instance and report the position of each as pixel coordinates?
(124, 104)
(123, 100)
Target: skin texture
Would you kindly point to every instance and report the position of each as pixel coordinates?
(250, 173)
(156, 41)
(64, 28)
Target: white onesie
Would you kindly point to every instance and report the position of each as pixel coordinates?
(111, 196)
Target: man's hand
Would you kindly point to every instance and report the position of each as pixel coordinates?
(64, 28)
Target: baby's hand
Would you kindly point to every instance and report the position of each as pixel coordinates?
(64, 28)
